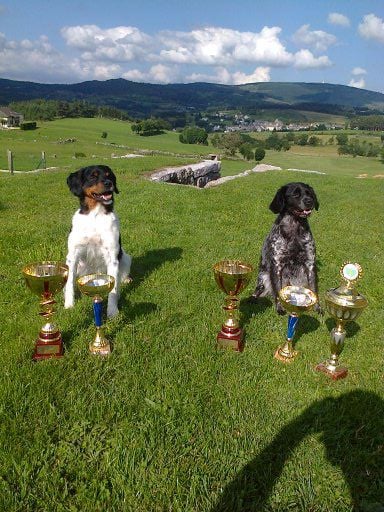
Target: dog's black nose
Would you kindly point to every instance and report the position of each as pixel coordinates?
(108, 183)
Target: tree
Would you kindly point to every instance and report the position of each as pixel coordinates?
(193, 135)
(342, 139)
(229, 142)
(259, 154)
(273, 141)
(314, 141)
(149, 127)
(246, 151)
(302, 139)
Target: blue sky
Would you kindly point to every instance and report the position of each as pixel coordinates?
(183, 41)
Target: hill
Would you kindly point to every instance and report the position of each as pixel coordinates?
(144, 100)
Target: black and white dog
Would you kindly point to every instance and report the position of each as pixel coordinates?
(288, 255)
(94, 243)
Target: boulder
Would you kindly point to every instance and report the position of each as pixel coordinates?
(197, 175)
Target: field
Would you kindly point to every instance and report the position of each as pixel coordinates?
(168, 422)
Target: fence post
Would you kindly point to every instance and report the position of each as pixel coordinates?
(43, 161)
(10, 161)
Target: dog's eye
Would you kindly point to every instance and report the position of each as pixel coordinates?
(94, 175)
(296, 193)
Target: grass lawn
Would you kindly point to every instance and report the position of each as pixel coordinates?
(168, 422)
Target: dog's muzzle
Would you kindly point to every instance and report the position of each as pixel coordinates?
(302, 213)
(104, 197)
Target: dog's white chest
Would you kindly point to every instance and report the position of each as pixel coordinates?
(94, 238)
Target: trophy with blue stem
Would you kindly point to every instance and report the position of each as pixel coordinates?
(296, 300)
(98, 287)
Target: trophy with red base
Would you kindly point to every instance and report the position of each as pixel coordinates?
(45, 279)
(232, 276)
(345, 304)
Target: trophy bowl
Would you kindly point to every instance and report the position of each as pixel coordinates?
(296, 300)
(98, 287)
(45, 279)
(232, 276)
(344, 304)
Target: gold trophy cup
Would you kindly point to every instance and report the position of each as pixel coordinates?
(45, 279)
(232, 276)
(344, 304)
(295, 300)
(98, 287)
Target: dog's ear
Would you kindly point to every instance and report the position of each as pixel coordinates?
(278, 202)
(314, 198)
(113, 178)
(75, 183)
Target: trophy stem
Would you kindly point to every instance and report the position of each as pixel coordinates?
(100, 345)
(231, 307)
(230, 335)
(285, 352)
(49, 342)
(331, 366)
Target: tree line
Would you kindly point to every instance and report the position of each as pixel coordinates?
(375, 123)
(48, 110)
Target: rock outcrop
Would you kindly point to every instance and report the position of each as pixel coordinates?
(198, 174)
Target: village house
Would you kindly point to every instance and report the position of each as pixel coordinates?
(9, 118)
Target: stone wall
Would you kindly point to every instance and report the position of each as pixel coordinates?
(197, 175)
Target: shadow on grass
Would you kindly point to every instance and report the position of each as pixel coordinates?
(144, 265)
(351, 428)
(306, 324)
(351, 328)
(249, 309)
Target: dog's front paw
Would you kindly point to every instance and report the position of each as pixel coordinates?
(112, 311)
(69, 303)
(279, 309)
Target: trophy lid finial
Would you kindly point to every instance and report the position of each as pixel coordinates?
(351, 272)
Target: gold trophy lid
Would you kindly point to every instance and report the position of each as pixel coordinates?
(346, 294)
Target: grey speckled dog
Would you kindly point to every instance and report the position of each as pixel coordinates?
(288, 255)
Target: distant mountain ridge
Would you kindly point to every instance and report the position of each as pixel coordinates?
(144, 99)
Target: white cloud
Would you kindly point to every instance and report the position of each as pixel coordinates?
(260, 74)
(157, 73)
(220, 46)
(372, 27)
(318, 40)
(304, 59)
(25, 59)
(335, 18)
(223, 76)
(359, 83)
(206, 54)
(358, 71)
(116, 44)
